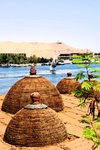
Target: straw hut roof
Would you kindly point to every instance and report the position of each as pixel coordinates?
(67, 84)
(19, 94)
(35, 125)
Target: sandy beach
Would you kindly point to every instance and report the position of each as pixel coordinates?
(70, 116)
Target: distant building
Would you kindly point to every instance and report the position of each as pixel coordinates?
(12, 54)
(97, 55)
(68, 56)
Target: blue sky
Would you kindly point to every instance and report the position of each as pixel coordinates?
(74, 22)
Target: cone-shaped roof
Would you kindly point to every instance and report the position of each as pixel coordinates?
(35, 126)
(19, 94)
(67, 84)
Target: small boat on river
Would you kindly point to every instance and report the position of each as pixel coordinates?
(53, 66)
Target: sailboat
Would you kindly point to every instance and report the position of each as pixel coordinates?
(52, 66)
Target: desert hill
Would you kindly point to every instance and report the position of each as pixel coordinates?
(45, 50)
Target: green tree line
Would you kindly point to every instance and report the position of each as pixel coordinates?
(21, 59)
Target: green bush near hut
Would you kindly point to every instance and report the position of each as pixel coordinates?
(89, 90)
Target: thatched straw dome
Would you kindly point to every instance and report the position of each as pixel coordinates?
(19, 94)
(67, 84)
(35, 125)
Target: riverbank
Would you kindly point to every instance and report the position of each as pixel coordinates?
(37, 64)
(18, 65)
(70, 116)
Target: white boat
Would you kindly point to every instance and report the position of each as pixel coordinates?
(53, 66)
(5, 65)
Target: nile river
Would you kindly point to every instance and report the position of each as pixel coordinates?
(9, 75)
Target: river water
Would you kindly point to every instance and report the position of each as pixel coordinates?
(10, 75)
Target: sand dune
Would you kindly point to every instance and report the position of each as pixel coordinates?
(45, 50)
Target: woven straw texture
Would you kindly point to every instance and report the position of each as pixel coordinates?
(19, 94)
(35, 128)
(66, 86)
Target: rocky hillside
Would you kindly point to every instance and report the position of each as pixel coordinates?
(45, 50)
